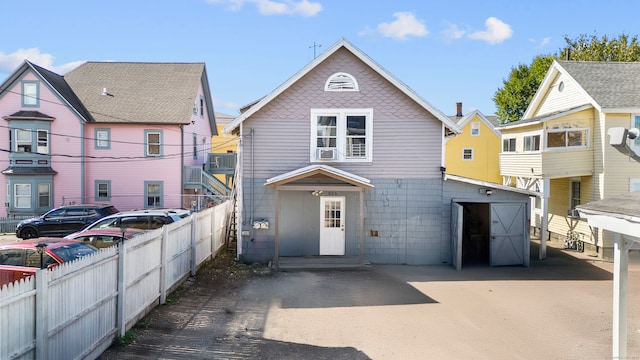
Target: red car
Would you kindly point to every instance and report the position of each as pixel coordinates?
(105, 237)
(22, 259)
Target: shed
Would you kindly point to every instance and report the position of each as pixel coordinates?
(489, 222)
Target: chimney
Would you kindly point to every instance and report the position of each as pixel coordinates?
(458, 109)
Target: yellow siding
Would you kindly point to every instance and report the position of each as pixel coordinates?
(559, 205)
(223, 143)
(555, 100)
(486, 149)
(620, 169)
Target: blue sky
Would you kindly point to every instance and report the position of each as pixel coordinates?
(446, 51)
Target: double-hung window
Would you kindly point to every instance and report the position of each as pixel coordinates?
(102, 139)
(23, 140)
(153, 142)
(153, 194)
(30, 94)
(42, 141)
(22, 196)
(341, 135)
(475, 129)
(103, 190)
(44, 195)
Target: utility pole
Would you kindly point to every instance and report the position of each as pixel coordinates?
(314, 46)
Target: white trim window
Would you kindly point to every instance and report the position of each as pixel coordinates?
(153, 144)
(341, 135)
(467, 154)
(509, 145)
(635, 143)
(23, 140)
(567, 138)
(42, 141)
(634, 184)
(22, 196)
(44, 195)
(341, 82)
(532, 143)
(475, 128)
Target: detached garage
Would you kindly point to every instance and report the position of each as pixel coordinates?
(489, 223)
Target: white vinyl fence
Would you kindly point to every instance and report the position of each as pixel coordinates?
(76, 310)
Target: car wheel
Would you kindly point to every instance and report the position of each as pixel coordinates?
(28, 233)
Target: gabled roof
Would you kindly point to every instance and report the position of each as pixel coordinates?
(491, 124)
(491, 185)
(160, 93)
(320, 171)
(607, 86)
(55, 83)
(342, 43)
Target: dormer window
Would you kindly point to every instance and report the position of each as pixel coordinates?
(341, 82)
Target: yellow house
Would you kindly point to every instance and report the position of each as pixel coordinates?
(474, 153)
(560, 147)
(224, 148)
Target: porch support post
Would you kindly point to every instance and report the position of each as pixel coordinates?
(546, 184)
(276, 226)
(620, 277)
(361, 227)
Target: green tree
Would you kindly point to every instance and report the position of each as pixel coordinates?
(523, 82)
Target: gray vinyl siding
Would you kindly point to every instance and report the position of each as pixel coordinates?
(406, 138)
(406, 213)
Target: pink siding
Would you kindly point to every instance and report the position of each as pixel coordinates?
(200, 126)
(123, 164)
(130, 169)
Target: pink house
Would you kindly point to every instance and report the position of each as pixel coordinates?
(136, 135)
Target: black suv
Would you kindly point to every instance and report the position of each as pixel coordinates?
(63, 221)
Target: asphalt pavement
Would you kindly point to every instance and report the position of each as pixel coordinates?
(558, 308)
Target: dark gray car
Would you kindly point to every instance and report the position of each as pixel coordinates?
(63, 221)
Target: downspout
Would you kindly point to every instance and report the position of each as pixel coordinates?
(182, 171)
(82, 166)
(253, 179)
(238, 183)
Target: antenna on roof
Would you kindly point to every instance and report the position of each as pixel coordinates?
(314, 46)
(105, 93)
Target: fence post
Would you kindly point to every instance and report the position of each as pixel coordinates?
(42, 321)
(194, 244)
(212, 238)
(163, 266)
(121, 317)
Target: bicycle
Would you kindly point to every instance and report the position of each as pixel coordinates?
(572, 241)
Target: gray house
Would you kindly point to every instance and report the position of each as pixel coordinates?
(344, 160)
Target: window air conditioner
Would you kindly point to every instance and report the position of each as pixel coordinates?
(326, 154)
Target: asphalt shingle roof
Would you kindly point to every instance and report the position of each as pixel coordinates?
(610, 84)
(138, 92)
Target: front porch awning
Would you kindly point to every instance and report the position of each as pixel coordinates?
(318, 178)
(320, 172)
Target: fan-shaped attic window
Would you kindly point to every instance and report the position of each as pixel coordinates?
(341, 82)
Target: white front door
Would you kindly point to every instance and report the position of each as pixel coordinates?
(332, 225)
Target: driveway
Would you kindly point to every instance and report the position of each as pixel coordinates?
(559, 308)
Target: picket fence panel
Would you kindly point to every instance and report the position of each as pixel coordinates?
(75, 311)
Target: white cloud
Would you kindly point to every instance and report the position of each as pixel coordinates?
(452, 32)
(496, 32)
(9, 62)
(405, 25)
(545, 42)
(270, 7)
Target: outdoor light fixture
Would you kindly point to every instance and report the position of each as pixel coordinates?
(41, 248)
(316, 192)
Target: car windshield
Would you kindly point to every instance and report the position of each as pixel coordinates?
(72, 251)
